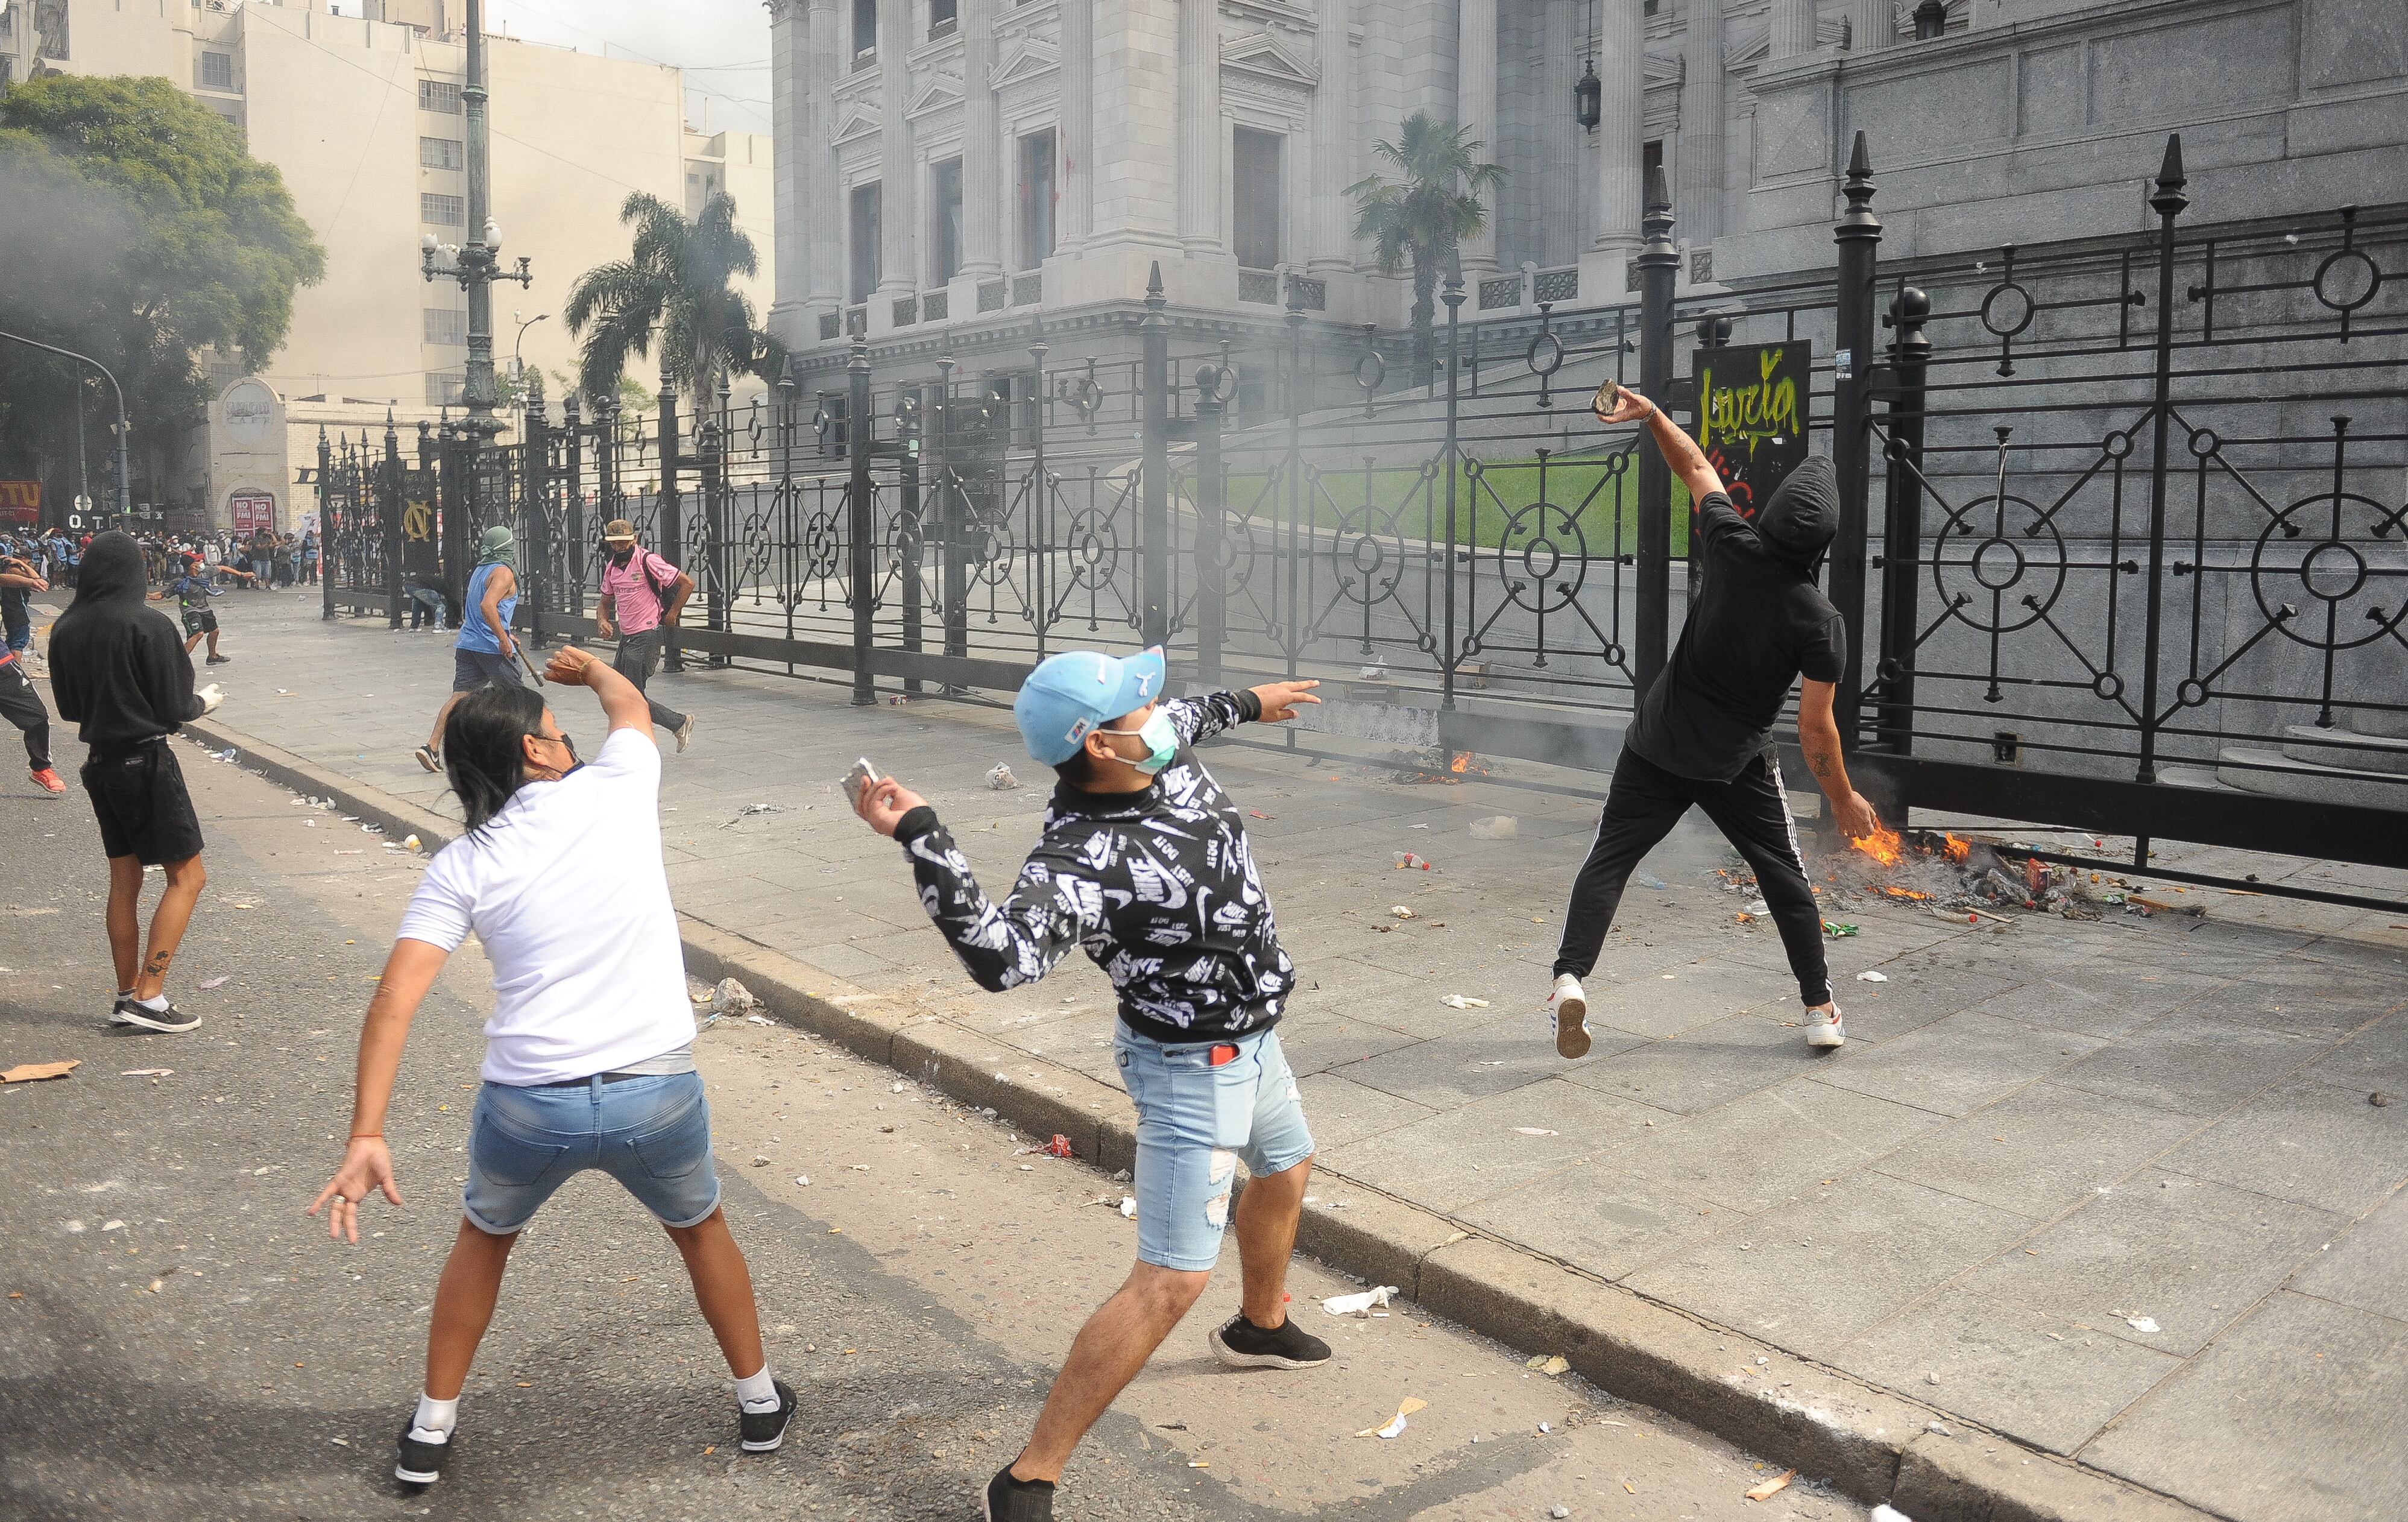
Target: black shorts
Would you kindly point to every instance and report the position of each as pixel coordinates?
(472, 669)
(200, 621)
(138, 796)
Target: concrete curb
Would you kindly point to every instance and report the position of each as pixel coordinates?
(1866, 1442)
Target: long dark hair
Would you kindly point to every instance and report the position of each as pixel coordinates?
(482, 753)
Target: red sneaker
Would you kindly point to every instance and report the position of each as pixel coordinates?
(47, 779)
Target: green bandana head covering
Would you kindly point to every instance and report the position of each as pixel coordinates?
(499, 547)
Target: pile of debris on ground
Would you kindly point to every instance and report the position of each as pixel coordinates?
(1964, 879)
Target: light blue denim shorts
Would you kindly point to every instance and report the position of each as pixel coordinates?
(1195, 1124)
(651, 1133)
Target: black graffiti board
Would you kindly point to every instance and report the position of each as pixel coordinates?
(1752, 415)
(420, 557)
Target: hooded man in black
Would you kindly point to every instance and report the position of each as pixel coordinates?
(120, 671)
(1703, 731)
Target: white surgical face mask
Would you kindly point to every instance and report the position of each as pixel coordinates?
(1161, 742)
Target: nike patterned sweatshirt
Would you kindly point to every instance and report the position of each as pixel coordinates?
(1158, 887)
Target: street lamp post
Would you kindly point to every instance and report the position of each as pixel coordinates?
(518, 367)
(476, 264)
(125, 498)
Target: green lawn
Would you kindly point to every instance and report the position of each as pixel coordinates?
(1487, 496)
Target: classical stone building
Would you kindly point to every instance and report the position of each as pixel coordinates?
(947, 168)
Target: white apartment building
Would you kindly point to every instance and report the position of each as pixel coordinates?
(357, 103)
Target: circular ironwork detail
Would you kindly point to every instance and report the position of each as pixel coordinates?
(2118, 446)
(1094, 544)
(2008, 310)
(2346, 568)
(2203, 443)
(1377, 562)
(1370, 370)
(2193, 693)
(2342, 269)
(819, 546)
(1548, 344)
(1974, 579)
(1538, 538)
(2107, 684)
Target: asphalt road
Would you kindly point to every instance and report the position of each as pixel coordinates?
(179, 1341)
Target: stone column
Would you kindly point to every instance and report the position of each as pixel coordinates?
(1564, 31)
(898, 199)
(1622, 100)
(1075, 212)
(1202, 188)
(821, 222)
(983, 177)
(1871, 23)
(1793, 28)
(1135, 126)
(1475, 108)
(1698, 157)
(1330, 251)
(789, 81)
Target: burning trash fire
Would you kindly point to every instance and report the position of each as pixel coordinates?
(1881, 845)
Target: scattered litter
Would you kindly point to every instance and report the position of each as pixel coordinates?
(760, 1161)
(2378, 1099)
(112, 1225)
(750, 810)
(410, 844)
(1835, 930)
(1937, 1429)
(1759, 907)
(27, 1072)
(1396, 1424)
(1886, 1513)
(1259, 814)
(2142, 1323)
(803, 1178)
(1549, 1364)
(218, 981)
(1347, 1305)
(1406, 860)
(1649, 880)
(1401, 912)
(1458, 1001)
(1868, 975)
(1129, 1206)
(1545, 1427)
(1002, 779)
(147, 1072)
(1059, 1146)
(1931, 1377)
(1559, 1512)
(1496, 827)
(1773, 1487)
(728, 997)
(897, 700)
(1534, 1130)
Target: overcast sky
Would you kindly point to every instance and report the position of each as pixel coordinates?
(723, 46)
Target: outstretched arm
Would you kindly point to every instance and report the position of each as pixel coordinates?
(368, 1162)
(622, 706)
(1680, 450)
(1818, 736)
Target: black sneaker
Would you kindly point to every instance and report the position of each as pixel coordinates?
(1240, 1344)
(135, 1013)
(421, 1462)
(220, 660)
(427, 758)
(117, 1010)
(1006, 1500)
(763, 1430)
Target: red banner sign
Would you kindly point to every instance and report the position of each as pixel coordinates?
(21, 502)
(251, 511)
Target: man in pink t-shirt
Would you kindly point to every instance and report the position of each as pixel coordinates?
(642, 594)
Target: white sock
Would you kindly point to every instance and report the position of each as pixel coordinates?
(757, 1393)
(156, 1003)
(436, 1417)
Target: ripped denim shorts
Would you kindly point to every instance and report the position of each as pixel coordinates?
(1196, 1122)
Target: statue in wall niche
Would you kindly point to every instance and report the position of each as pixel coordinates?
(50, 29)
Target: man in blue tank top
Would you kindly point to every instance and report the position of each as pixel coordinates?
(484, 652)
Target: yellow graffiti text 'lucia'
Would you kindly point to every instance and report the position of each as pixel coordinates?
(1750, 411)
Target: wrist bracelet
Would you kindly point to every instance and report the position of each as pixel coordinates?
(367, 1136)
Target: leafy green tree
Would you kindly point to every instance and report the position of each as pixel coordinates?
(138, 230)
(675, 286)
(1427, 211)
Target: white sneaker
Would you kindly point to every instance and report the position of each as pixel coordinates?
(1568, 1014)
(1825, 1028)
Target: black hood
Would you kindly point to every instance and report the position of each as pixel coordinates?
(1801, 518)
(112, 573)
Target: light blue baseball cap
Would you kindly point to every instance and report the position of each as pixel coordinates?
(1073, 694)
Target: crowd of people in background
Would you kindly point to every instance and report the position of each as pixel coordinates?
(271, 559)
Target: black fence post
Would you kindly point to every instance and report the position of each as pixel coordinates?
(572, 449)
(1452, 295)
(1211, 509)
(1902, 520)
(911, 529)
(534, 523)
(1154, 483)
(953, 515)
(2169, 201)
(1290, 618)
(858, 424)
(671, 527)
(1659, 263)
(1859, 235)
(719, 514)
(452, 490)
(329, 516)
(389, 507)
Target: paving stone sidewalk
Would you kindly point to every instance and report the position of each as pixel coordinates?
(2115, 1189)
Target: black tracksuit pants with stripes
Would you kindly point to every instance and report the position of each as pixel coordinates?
(1751, 810)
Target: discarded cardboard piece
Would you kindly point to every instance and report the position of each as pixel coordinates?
(1347, 1305)
(1773, 1487)
(1396, 1424)
(28, 1073)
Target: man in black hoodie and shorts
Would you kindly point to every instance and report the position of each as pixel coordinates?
(118, 669)
(1703, 732)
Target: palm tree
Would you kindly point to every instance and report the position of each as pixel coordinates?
(1430, 208)
(674, 286)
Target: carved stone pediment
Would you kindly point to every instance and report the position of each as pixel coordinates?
(1264, 56)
